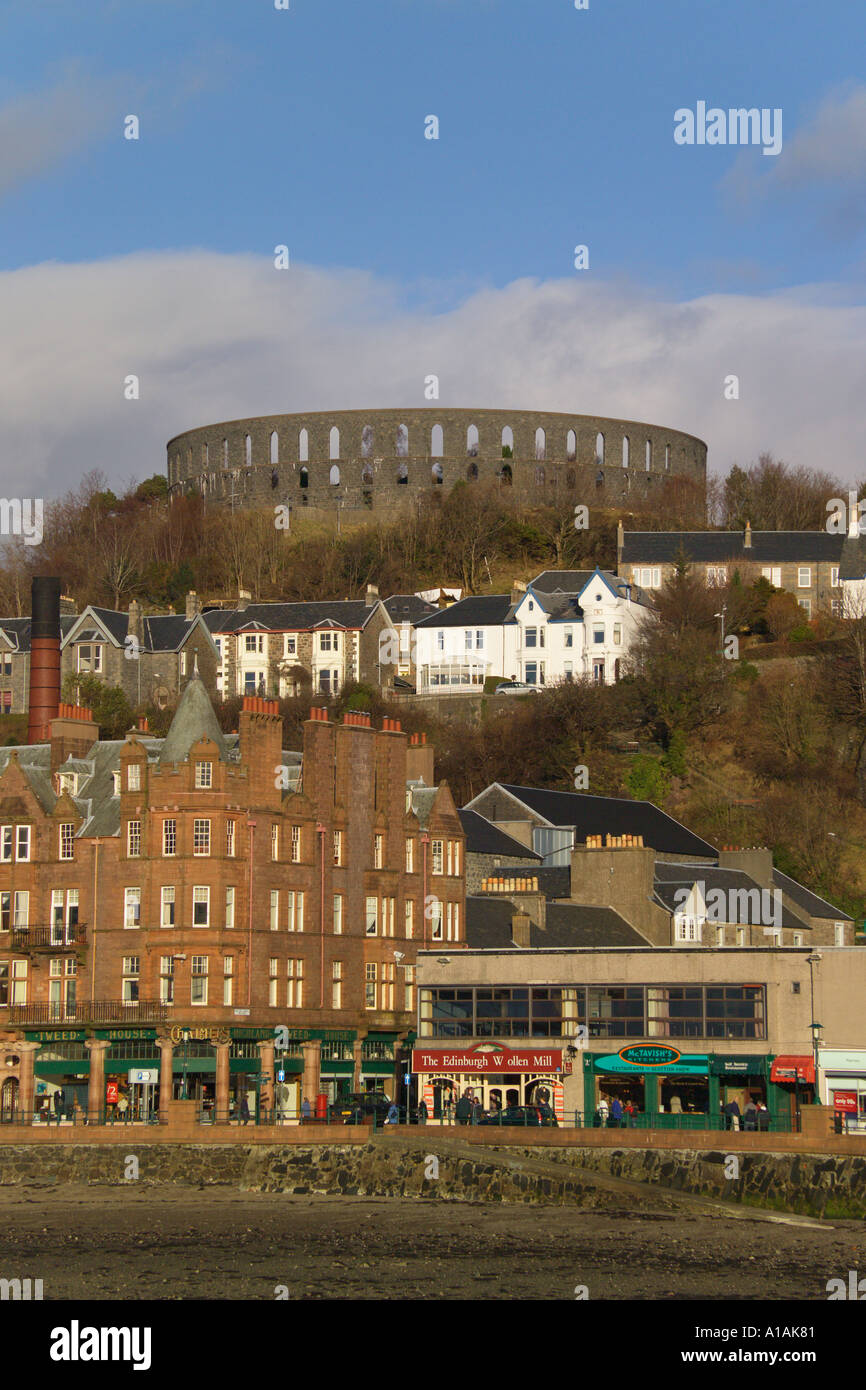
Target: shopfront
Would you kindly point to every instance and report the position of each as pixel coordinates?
(842, 1083)
(659, 1079)
(498, 1077)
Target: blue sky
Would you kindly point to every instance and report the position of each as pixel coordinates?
(306, 127)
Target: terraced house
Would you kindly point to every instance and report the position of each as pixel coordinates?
(167, 904)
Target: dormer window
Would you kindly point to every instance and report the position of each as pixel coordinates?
(115, 783)
(69, 783)
(204, 775)
(90, 657)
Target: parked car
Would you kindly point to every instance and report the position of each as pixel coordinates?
(515, 688)
(359, 1107)
(536, 1115)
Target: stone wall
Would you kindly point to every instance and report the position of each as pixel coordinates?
(828, 1185)
(353, 459)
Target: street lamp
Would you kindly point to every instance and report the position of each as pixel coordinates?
(722, 616)
(815, 1028)
(186, 1035)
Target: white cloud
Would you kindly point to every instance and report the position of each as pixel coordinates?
(39, 130)
(825, 160)
(216, 337)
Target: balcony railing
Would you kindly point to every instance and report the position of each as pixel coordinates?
(58, 938)
(92, 1011)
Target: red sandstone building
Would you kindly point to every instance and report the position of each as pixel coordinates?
(173, 907)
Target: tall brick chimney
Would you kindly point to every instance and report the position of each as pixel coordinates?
(73, 734)
(44, 658)
(419, 760)
(260, 727)
(193, 605)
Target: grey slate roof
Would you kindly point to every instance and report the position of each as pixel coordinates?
(809, 902)
(422, 802)
(408, 608)
(291, 617)
(561, 581)
(670, 879)
(194, 718)
(852, 565)
(569, 925)
(481, 610)
(483, 837)
(768, 547)
(603, 815)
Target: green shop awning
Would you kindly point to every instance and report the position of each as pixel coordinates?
(739, 1066)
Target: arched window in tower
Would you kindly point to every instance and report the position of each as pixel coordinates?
(248, 451)
(205, 454)
(367, 473)
(334, 443)
(275, 447)
(304, 477)
(437, 442)
(599, 449)
(472, 441)
(570, 478)
(507, 443)
(571, 446)
(367, 442)
(403, 473)
(472, 471)
(625, 451)
(402, 441)
(303, 447)
(648, 455)
(540, 443)
(225, 453)
(539, 477)
(667, 457)
(334, 476)
(437, 473)
(505, 475)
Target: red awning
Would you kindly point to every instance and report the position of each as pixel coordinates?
(793, 1069)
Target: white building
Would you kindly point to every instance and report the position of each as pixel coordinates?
(565, 625)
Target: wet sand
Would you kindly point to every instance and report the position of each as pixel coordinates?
(174, 1243)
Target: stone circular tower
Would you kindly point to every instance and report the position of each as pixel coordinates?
(363, 461)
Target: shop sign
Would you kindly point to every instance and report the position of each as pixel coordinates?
(742, 1066)
(680, 1064)
(334, 1035)
(201, 1034)
(644, 1057)
(489, 1062)
(111, 1092)
(125, 1034)
(846, 1101)
(143, 1077)
(55, 1035)
(832, 1060)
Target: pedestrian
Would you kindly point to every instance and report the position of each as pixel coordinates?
(763, 1117)
(393, 1115)
(477, 1110)
(463, 1113)
(306, 1111)
(732, 1115)
(750, 1115)
(602, 1112)
(58, 1105)
(122, 1107)
(629, 1113)
(676, 1105)
(422, 1113)
(615, 1120)
(245, 1110)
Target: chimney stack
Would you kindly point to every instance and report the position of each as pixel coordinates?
(193, 605)
(419, 760)
(372, 597)
(747, 540)
(518, 589)
(44, 658)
